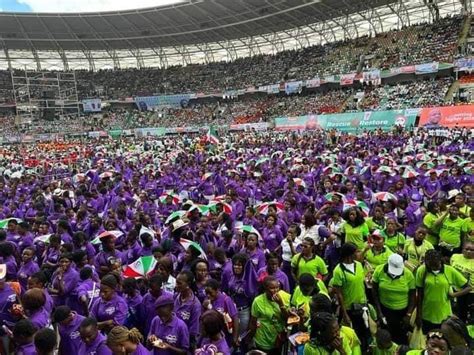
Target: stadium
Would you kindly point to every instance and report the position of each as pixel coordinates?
(237, 177)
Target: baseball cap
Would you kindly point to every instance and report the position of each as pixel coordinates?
(164, 300)
(395, 265)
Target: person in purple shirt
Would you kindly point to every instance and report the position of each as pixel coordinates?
(33, 307)
(148, 243)
(23, 237)
(50, 256)
(253, 251)
(107, 258)
(271, 234)
(431, 186)
(68, 326)
(64, 231)
(23, 333)
(92, 341)
(273, 269)
(109, 309)
(147, 310)
(200, 269)
(45, 341)
(87, 291)
(39, 280)
(28, 267)
(134, 301)
(222, 303)
(7, 255)
(187, 305)
(64, 280)
(168, 334)
(8, 298)
(123, 341)
(80, 242)
(213, 326)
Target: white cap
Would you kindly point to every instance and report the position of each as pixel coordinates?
(395, 265)
(3, 271)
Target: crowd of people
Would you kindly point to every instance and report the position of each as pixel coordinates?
(321, 243)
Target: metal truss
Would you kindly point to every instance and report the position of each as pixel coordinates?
(337, 26)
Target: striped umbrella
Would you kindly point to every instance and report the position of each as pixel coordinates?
(225, 206)
(385, 196)
(176, 200)
(299, 182)
(114, 234)
(239, 226)
(174, 215)
(186, 243)
(106, 174)
(206, 176)
(140, 268)
(407, 174)
(331, 195)
(356, 203)
(263, 207)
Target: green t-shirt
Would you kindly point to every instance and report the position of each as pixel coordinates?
(298, 299)
(269, 319)
(375, 260)
(356, 235)
(450, 231)
(350, 343)
(396, 242)
(415, 352)
(468, 225)
(352, 284)
(436, 302)
(415, 255)
(313, 266)
(465, 267)
(390, 351)
(394, 293)
(429, 221)
(374, 225)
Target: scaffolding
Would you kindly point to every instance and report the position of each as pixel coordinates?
(42, 94)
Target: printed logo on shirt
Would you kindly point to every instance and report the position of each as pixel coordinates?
(110, 310)
(74, 335)
(171, 339)
(11, 298)
(184, 315)
(93, 294)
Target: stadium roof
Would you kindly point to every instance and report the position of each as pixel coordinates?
(182, 24)
(197, 31)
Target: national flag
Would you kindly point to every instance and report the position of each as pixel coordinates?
(211, 136)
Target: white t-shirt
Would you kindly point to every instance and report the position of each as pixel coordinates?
(286, 250)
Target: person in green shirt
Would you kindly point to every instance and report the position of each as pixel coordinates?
(377, 220)
(307, 287)
(450, 231)
(307, 262)
(460, 201)
(435, 282)
(375, 252)
(269, 314)
(464, 263)
(394, 292)
(327, 337)
(416, 248)
(348, 282)
(354, 229)
(436, 344)
(456, 333)
(384, 344)
(468, 225)
(394, 240)
(429, 220)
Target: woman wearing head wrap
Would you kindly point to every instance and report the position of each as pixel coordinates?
(109, 309)
(124, 341)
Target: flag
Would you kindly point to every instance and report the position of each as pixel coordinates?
(141, 267)
(211, 136)
(186, 243)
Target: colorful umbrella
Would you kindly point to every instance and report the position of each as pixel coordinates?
(407, 174)
(299, 182)
(188, 243)
(42, 239)
(174, 215)
(385, 169)
(330, 196)
(263, 207)
(407, 159)
(262, 160)
(206, 176)
(141, 267)
(4, 222)
(114, 234)
(106, 174)
(239, 226)
(356, 203)
(146, 230)
(385, 196)
(429, 164)
(225, 206)
(423, 156)
(175, 198)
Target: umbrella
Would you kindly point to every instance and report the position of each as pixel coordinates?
(174, 215)
(407, 159)
(331, 169)
(364, 170)
(430, 164)
(4, 222)
(16, 175)
(114, 234)
(175, 198)
(42, 238)
(141, 267)
(299, 182)
(262, 160)
(239, 226)
(385, 169)
(79, 177)
(385, 196)
(422, 156)
(356, 203)
(146, 230)
(106, 174)
(186, 243)
(206, 176)
(407, 174)
(263, 207)
(330, 196)
(226, 207)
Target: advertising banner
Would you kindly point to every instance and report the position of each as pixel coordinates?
(350, 122)
(372, 76)
(448, 116)
(115, 133)
(150, 131)
(273, 89)
(92, 105)
(293, 87)
(145, 103)
(260, 126)
(464, 64)
(313, 83)
(408, 69)
(347, 79)
(427, 68)
(97, 134)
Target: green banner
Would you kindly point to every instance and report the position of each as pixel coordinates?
(115, 133)
(350, 122)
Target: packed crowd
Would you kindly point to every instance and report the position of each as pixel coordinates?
(323, 243)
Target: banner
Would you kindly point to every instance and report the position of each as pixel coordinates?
(260, 126)
(92, 105)
(150, 131)
(350, 122)
(313, 83)
(464, 64)
(448, 116)
(115, 133)
(293, 87)
(372, 76)
(408, 69)
(347, 79)
(146, 103)
(97, 134)
(273, 89)
(426, 68)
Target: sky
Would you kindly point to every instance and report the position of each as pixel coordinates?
(78, 5)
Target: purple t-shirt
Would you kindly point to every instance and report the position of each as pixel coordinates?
(97, 347)
(141, 350)
(115, 309)
(27, 349)
(7, 299)
(175, 333)
(189, 312)
(221, 345)
(25, 271)
(70, 337)
(40, 318)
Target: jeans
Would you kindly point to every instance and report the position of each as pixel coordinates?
(244, 319)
